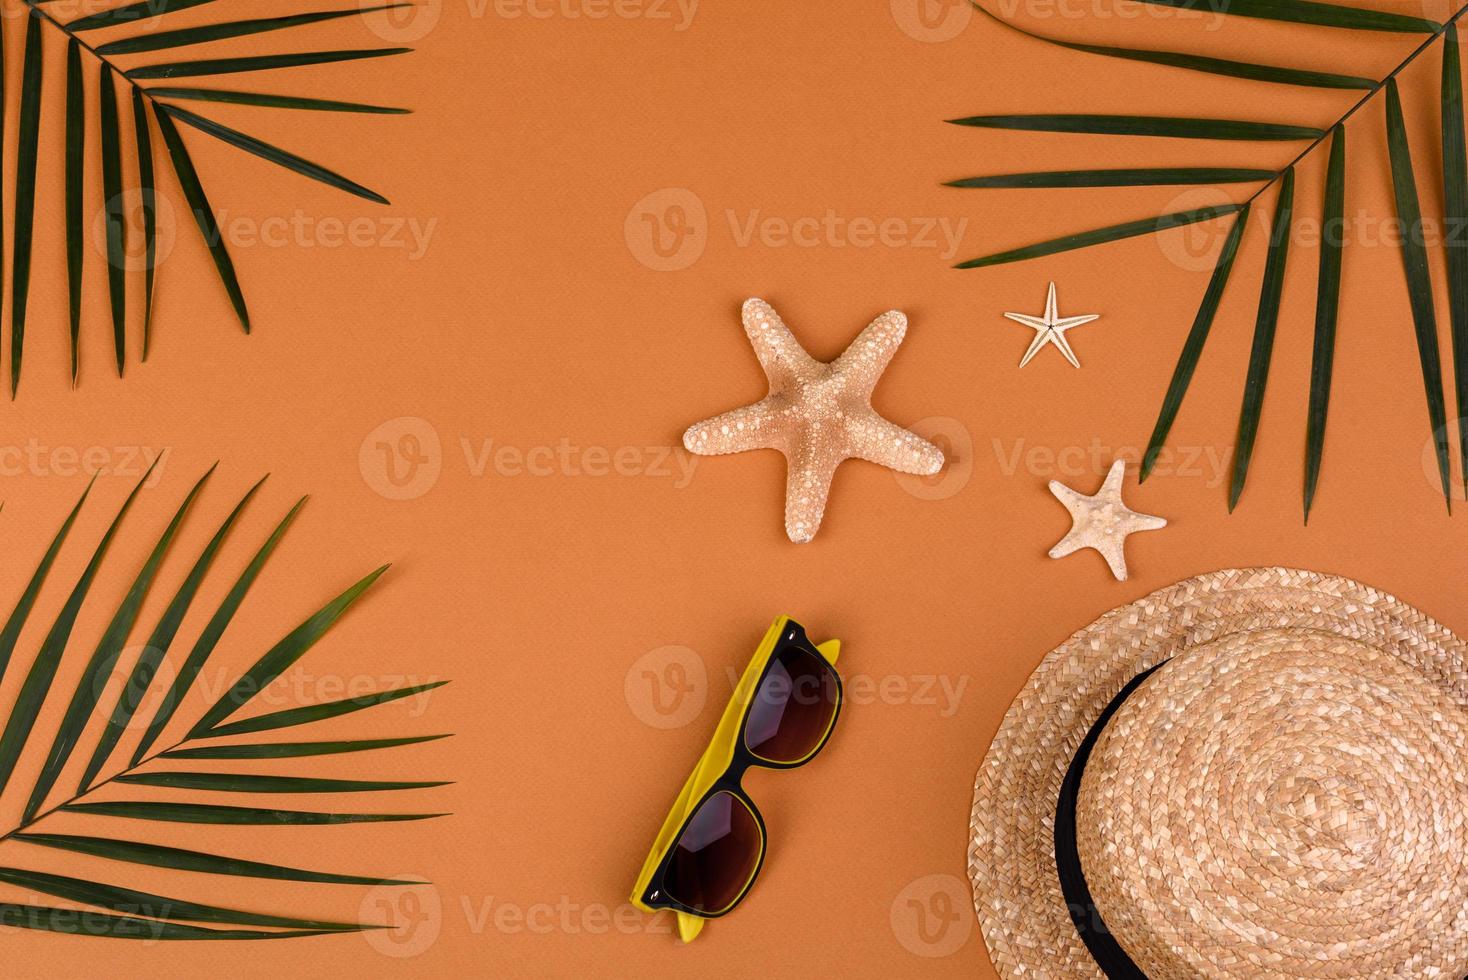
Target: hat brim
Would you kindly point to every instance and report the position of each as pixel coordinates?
(1011, 856)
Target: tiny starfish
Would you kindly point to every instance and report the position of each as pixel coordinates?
(1103, 521)
(817, 414)
(1050, 329)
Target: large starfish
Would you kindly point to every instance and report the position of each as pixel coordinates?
(818, 415)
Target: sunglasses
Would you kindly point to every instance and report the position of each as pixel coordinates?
(712, 844)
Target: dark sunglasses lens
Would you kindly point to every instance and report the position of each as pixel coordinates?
(716, 857)
(793, 707)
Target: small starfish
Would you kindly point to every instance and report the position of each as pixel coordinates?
(817, 414)
(1051, 328)
(1103, 521)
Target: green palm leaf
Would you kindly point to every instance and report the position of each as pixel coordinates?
(282, 655)
(265, 62)
(1455, 200)
(290, 717)
(1311, 12)
(112, 210)
(294, 750)
(1327, 308)
(188, 179)
(104, 658)
(230, 782)
(1187, 362)
(272, 153)
(1127, 177)
(138, 852)
(142, 10)
(77, 922)
(156, 648)
(1177, 127)
(75, 153)
(131, 913)
(71, 149)
(1199, 63)
(27, 150)
(1111, 233)
(271, 101)
(212, 813)
(156, 906)
(142, 137)
(1264, 329)
(33, 692)
(1419, 280)
(209, 636)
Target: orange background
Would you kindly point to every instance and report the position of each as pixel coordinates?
(533, 318)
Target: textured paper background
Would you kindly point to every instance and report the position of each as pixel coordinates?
(539, 321)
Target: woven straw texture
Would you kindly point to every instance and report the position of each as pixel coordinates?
(1286, 798)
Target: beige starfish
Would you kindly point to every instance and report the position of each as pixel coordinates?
(1051, 328)
(818, 415)
(1103, 521)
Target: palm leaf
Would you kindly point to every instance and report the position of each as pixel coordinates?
(188, 180)
(1455, 199)
(271, 101)
(155, 906)
(272, 153)
(1414, 251)
(213, 813)
(209, 636)
(141, 16)
(27, 150)
(281, 656)
(229, 782)
(1187, 362)
(1311, 12)
(75, 153)
(290, 717)
(264, 62)
(142, 137)
(159, 856)
(1327, 308)
(1419, 280)
(127, 912)
(104, 658)
(1200, 63)
(142, 10)
(1177, 127)
(79, 922)
(237, 28)
(1111, 233)
(112, 210)
(1128, 177)
(1264, 329)
(294, 750)
(157, 646)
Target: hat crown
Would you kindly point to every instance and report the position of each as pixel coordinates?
(1284, 802)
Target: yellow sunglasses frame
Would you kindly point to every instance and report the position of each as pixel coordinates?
(715, 764)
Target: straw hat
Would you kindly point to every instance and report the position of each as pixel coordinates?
(1255, 773)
